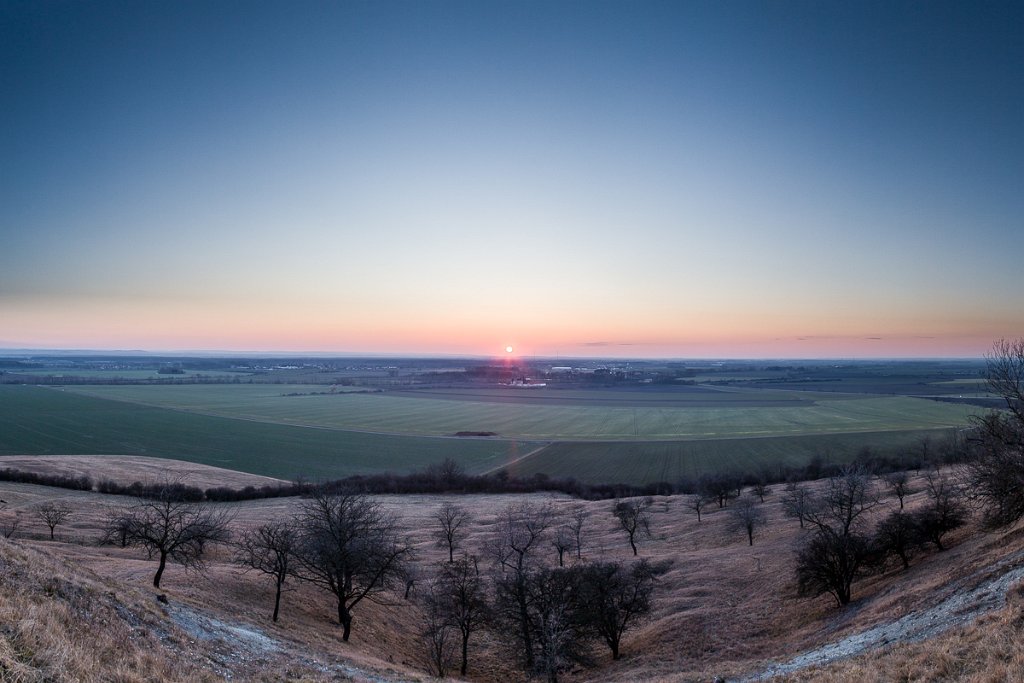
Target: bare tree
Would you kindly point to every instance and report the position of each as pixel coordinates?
(698, 502)
(797, 502)
(747, 515)
(554, 607)
(829, 563)
(452, 521)
(944, 512)
(411, 574)
(116, 525)
(350, 546)
(761, 489)
(839, 551)
(899, 483)
(995, 468)
(519, 531)
(634, 518)
(268, 549)
(562, 542)
(459, 594)
(170, 528)
(615, 598)
(720, 487)
(9, 524)
(1005, 375)
(448, 473)
(924, 445)
(897, 535)
(847, 498)
(438, 635)
(53, 514)
(577, 520)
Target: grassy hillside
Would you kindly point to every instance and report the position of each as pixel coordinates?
(64, 623)
(723, 609)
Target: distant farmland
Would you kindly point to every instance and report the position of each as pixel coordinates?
(595, 435)
(564, 416)
(651, 461)
(43, 421)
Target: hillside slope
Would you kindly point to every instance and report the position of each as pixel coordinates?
(72, 610)
(63, 622)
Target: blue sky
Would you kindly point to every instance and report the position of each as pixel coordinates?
(638, 179)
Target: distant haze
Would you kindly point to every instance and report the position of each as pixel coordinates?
(608, 179)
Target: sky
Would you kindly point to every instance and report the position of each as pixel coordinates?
(798, 179)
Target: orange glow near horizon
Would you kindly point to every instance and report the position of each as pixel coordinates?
(317, 327)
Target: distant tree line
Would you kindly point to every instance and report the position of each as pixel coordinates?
(63, 481)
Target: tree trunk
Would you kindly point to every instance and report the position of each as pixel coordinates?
(524, 624)
(277, 601)
(160, 569)
(750, 534)
(632, 544)
(465, 653)
(51, 533)
(615, 650)
(345, 619)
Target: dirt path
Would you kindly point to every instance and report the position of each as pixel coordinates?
(968, 598)
(513, 461)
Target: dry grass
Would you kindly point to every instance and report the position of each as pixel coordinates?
(987, 651)
(60, 623)
(723, 609)
(125, 469)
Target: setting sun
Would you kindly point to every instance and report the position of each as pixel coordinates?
(508, 349)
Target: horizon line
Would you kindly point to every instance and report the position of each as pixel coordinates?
(224, 353)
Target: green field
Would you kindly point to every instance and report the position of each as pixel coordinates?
(515, 414)
(44, 421)
(652, 461)
(594, 435)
